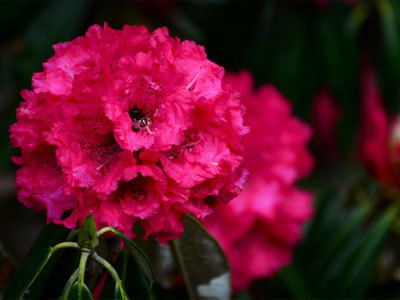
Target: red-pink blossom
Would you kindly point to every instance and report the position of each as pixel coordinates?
(130, 125)
(379, 136)
(325, 115)
(259, 228)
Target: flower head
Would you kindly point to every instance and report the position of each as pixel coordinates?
(130, 125)
(379, 135)
(270, 210)
(325, 115)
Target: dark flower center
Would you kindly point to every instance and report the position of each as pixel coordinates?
(191, 140)
(136, 113)
(140, 119)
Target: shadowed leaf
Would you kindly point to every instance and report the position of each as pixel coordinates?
(202, 262)
(27, 274)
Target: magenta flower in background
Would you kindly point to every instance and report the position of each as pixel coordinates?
(259, 228)
(130, 125)
(325, 115)
(379, 140)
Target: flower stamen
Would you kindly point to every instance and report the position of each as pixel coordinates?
(189, 86)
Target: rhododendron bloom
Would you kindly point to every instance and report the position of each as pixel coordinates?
(379, 143)
(259, 228)
(130, 125)
(325, 115)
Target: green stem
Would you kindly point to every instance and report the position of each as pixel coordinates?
(64, 245)
(69, 284)
(82, 267)
(181, 264)
(110, 269)
(103, 231)
(106, 265)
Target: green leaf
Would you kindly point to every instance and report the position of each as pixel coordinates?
(295, 282)
(48, 237)
(245, 295)
(354, 264)
(388, 54)
(27, 274)
(138, 254)
(362, 263)
(329, 207)
(339, 236)
(79, 292)
(88, 233)
(202, 262)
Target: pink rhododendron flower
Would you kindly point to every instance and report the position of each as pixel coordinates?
(325, 115)
(130, 125)
(379, 143)
(259, 228)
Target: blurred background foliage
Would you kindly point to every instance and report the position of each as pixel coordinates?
(350, 248)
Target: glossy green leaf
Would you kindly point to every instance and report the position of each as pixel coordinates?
(79, 292)
(138, 254)
(202, 262)
(88, 233)
(27, 274)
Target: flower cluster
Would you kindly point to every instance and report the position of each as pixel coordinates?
(325, 115)
(130, 125)
(258, 229)
(379, 144)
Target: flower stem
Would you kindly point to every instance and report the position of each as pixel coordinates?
(104, 230)
(69, 284)
(106, 265)
(64, 245)
(82, 267)
(110, 269)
